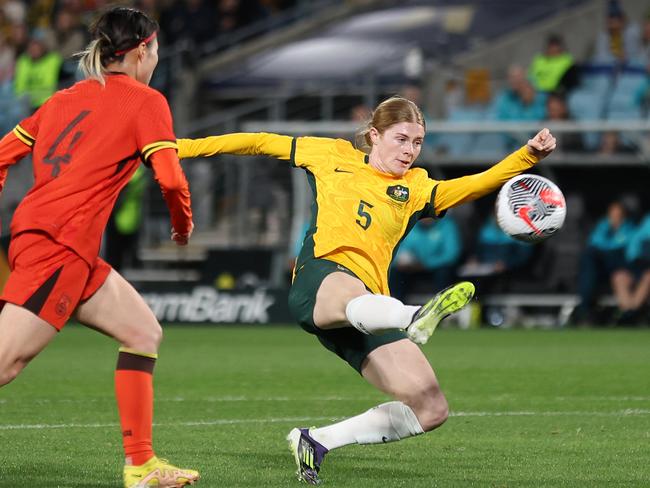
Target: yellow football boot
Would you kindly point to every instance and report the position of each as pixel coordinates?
(448, 301)
(158, 473)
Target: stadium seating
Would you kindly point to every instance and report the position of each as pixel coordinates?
(623, 103)
(587, 104)
(12, 110)
(457, 145)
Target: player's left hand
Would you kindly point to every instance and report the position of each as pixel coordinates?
(542, 144)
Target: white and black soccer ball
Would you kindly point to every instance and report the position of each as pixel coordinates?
(530, 208)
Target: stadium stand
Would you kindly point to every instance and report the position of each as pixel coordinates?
(238, 79)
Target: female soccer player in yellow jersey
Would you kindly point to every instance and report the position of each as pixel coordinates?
(364, 205)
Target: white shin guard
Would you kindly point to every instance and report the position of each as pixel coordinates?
(393, 421)
(387, 422)
(374, 314)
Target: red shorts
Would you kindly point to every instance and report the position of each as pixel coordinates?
(49, 279)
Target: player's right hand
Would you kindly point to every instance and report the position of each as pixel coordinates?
(182, 239)
(542, 144)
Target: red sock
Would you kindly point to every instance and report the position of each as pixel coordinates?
(134, 392)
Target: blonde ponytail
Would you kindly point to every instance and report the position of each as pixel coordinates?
(90, 62)
(116, 31)
(362, 138)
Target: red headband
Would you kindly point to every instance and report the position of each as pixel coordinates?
(147, 40)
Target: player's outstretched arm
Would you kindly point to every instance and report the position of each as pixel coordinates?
(176, 192)
(260, 143)
(451, 193)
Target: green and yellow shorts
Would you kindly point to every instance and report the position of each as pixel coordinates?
(346, 342)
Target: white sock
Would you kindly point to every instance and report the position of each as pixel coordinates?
(374, 314)
(387, 422)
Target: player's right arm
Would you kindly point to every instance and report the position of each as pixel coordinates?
(13, 147)
(450, 193)
(299, 151)
(18, 143)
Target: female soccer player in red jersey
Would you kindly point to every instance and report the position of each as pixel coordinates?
(86, 143)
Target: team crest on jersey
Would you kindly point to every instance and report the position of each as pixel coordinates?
(398, 192)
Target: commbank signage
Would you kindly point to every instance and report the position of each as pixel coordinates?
(207, 305)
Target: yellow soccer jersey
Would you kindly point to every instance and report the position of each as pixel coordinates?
(359, 214)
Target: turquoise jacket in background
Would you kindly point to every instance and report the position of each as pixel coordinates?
(639, 246)
(494, 245)
(604, 238)
(297, 245)
(433, 246)
(508, 107)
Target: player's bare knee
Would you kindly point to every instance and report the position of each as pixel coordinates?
(10, 371)
(156, 335)
(430, 407)
(433, 416)
(439, 414)
(144, 338)
(6, 377)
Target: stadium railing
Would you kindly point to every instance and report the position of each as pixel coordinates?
(636, 131)
(551, 310)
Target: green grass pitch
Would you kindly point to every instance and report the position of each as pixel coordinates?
(529, 409)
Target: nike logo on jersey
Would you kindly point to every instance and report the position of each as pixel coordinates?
(339, 170)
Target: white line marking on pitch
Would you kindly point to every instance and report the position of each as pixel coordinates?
(327, 398)
(170, 424)
(620, 413)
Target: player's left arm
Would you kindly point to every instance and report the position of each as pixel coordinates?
(12, 150)
(176, 192)
(156, 141)
(451, 193)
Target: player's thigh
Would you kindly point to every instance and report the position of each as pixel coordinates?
(333, 296)
(401, 370)
(22, 336)
(118, 310)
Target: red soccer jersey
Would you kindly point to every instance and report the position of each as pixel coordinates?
(87, 141)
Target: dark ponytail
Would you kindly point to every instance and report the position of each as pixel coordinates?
(114, 33)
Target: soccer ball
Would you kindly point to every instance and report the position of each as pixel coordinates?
(530, 208)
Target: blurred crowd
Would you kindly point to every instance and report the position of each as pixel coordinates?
(38, 41)
(39, 38)
(615, 262)
(613, 83)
